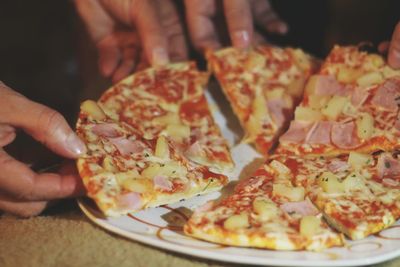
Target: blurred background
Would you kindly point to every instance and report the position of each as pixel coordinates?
(46, 54)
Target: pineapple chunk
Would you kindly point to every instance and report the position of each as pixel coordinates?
(108, 164)
(279, 167)
(123, 176)
(178, 131)
(370, 78)
(162, 148)
(237, 221)
(295, 87)
(334, 107)
(93, 110)
(318, 101)
(358, 160)
(170, 118)
(365, 126)
(276, 93)
(254, 61)
(330, 183)
(307, 114)
(151, 171)
(388, 72)
(354, 182)
(311, 85)
(266, 209)
(292, 193)
(301, 59)
(376, 60)
(348, 75)
(137, 185)
(310, 225)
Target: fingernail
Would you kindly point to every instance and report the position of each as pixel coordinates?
(159, 56)
(241, 39)
(75, 144)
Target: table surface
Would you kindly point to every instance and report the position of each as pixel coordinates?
(63, 236)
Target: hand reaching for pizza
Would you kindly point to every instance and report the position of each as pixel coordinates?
(240, 16)
(131, 34)
(22, 191)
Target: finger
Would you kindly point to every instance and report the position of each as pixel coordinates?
(383, 47)
(22, 209)
(155, 45)
(170, 21)
(7, 134)
(44, 124)
(394, 48)
(143, 63)
(68, 169)
(20, 182)
(109, 55)
(266, 17)
(240, 22)
(199, 14)
(127, 65)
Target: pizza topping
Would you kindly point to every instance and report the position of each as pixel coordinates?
(194, 150)
(265, 208)
(106, 130)
(338, 165)
(359, 96)
(297, 132)
(162, 182)
(358, 160)
(162, 148)
(342, 135)
(204, 208)
(390, 182)
(386, 95)
(127, 147)
(319, 133)
(276, 108)
(303, 208)
(303, 113)
(130, 200)
(387, 166)
(288, 192)
(237, 221)
(370, 78)
(330, 183)
(334, 107)
(93, 110)
(365, 126)
(328, 85)
(310, 225)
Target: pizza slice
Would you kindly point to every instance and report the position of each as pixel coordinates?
(349, 189)
(263, 86)
(124, 172)
(265, 211)
(170, 102)
(352, 104)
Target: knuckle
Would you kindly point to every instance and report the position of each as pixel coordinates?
(49, 121)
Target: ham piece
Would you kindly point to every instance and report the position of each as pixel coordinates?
(297, 132)
(130, 200)
(387, 166)
(387, 95)
(328, 85)
(319, 133)
(276, 108)
(359, 96)
(337, 165)
(106, 130)
(162, 182)
(127, 147)
(303, 208)
(343, 135)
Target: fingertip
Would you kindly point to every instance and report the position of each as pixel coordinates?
(75, 145)
(159, 56)
(241, 39)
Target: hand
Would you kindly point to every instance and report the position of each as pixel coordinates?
(131, 34)
(22, 191)
(239, 18)
(394, 48)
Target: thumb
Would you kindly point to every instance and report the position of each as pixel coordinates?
(394, 48)
(42, 123)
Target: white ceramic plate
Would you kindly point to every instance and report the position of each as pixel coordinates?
(162, 227)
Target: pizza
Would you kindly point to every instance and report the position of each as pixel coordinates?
(263, 86)
(170, 101)
(265, 211)
(352, 104)
(151, 141)
(357, 193)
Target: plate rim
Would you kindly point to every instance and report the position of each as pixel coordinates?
(216, 256)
